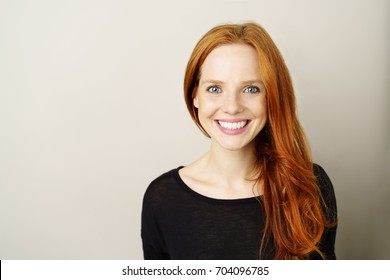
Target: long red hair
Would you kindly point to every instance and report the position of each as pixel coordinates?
(291, 197)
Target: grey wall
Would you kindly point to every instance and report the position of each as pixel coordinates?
(91, 110)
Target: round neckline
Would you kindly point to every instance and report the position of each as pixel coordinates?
(209, 199)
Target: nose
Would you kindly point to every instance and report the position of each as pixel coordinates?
(232, 104)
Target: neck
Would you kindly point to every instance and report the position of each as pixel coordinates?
(231, 166)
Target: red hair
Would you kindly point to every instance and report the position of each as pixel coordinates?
(292, 199)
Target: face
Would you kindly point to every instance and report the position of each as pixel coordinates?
(230, 97)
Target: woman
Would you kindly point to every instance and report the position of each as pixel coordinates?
(256, 193)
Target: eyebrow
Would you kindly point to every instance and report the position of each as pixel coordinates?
(219, 82)
(212, 82)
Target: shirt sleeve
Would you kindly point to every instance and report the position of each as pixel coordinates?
(152, 239)
(327, 243)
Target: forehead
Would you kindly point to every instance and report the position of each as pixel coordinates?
(238, 60)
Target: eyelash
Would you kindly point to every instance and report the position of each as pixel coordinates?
(210, 89)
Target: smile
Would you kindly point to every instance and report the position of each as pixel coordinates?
(232, 125)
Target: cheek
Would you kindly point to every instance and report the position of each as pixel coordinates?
(206, 108)
(259, 108)
(263, 107)
(264, 111)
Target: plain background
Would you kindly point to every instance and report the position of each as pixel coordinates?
(92, 110)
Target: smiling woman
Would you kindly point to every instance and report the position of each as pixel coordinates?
(255, 194)
(230, 97)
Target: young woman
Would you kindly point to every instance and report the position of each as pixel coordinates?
(256, 193)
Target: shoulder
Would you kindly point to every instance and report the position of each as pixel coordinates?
(323, 180)
(161, 186)
(327, 190)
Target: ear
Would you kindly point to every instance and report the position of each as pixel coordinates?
(195, 98)
(196, 102)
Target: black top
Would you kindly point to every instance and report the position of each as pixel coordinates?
(179, 223)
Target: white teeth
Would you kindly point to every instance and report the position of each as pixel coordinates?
(232, 125)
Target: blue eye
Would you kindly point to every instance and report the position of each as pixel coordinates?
(214, 89)
(252, 89)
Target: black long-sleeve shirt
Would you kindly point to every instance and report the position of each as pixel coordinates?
(179, 223)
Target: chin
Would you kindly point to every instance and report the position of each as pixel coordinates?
(233, 146)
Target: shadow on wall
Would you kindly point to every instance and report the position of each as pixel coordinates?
(380, 206)
(382, 229)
